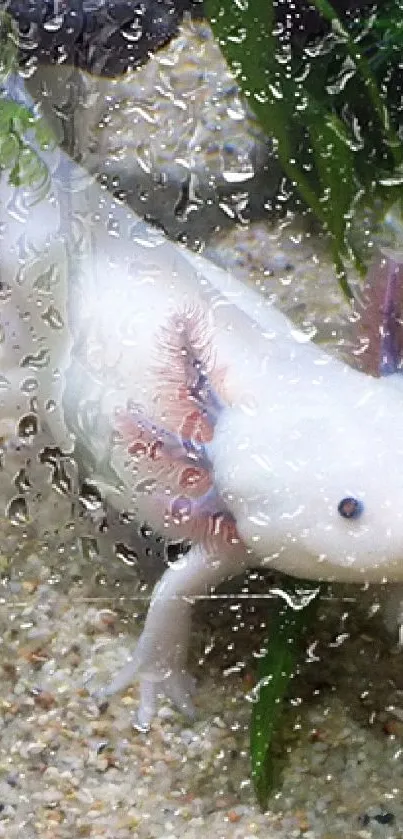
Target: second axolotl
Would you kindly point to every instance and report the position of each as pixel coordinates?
(220, 421)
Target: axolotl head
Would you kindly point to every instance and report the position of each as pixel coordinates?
(313, 475)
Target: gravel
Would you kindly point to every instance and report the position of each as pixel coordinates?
(69, 767)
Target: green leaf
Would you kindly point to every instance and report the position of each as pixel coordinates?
(24, 165)
(245, 33)
(9, 149)
(262, 67)
(333, 110)
(16, 154)
(335, 165)
(287, 629)
(8, 45)
(355, 52)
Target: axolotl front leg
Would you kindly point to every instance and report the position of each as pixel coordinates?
(159, 660)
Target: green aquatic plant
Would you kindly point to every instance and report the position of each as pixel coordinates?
(291, 616)
(17, 157)
(331, 105)
(17, 120)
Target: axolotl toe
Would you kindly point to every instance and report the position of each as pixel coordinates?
(204, 411)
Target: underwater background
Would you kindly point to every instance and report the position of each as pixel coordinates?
(178, 141)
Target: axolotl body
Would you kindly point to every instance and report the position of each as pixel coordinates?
(220, 421)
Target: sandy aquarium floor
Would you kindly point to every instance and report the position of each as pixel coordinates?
(70, 768)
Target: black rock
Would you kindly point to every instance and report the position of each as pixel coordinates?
(105, 37)
(385, 818)
(108, 37)
(378, 815)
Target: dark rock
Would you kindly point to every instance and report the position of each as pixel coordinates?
(378, 815)
(384, 818)
(109, 37)
(105, 37)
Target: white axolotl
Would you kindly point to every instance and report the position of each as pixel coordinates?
(220, 421)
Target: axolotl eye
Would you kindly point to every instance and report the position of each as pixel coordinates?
(350, 508)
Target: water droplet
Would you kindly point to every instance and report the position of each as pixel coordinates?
(239, 37)
(29, 385)
(61, 481)
(261, 97)
(303, 337)
(239, 177)
(45, 283)
(146, 486)
(5, 384)
(90, 497)
(237, 114)
(133, 33)
(89, 547)
(298, 599)
(28, 426)
(144, 235)
(347, 72)
(125, 517)
(22, 481)
(17, 511)
(30, 67)
(54, 23)
(145, 531)
(396, 180)
(50, 406)
(113, 227)
(126, 554)
(53, 318)
(5, 292)
(36, 361)
(50, 455)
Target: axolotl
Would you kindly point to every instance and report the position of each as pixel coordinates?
(220, 422)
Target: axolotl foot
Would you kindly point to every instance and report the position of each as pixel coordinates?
(159, 659)
(177, 686)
